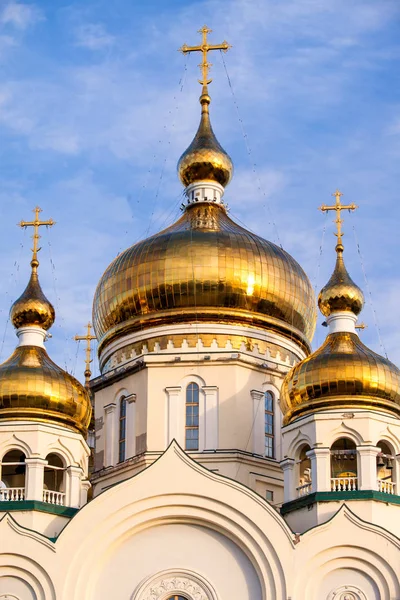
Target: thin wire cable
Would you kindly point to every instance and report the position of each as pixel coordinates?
(266, 204)
(249, 437)
(76, 357)
(14, 276)
(171, 118)
(381, 344)
(61, 320)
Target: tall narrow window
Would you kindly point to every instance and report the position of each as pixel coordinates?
(122, 430)
(192, 417)
(269, 424)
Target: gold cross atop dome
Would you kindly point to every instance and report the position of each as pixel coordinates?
(36, 223)
(205, 47)
(88, 338)
(338, 207)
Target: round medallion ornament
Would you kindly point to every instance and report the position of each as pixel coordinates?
(169, 584)
(347, 592)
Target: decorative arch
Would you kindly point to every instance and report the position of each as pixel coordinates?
(62, 450)
(344, 431)
(297, 443)
(165, 584)
(15, 443)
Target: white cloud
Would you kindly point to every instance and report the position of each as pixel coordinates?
(93, 36)
(20, 15)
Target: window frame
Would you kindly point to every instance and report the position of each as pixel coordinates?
(122, 430)
(192, 401)
(269, 422)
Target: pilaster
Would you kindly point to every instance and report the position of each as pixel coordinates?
(74, 476)
(130, 425)
(289, 483)
(367, 471)
(34, 478)
(320, 469)
(210, 417)
(258, 429)
(111, 432)
(175, 426)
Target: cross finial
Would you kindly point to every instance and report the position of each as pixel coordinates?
(88, 338)
(338, 207)
(36, 223)
(205, 47)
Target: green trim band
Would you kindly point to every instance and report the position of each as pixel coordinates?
(54, 509)
(337, 496)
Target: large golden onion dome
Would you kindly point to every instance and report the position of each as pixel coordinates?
(204, 267)
(205, 159)
(32, 307)
(32, 386)
(343, 373)
(340, 293)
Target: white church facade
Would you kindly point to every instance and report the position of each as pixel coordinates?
(230, 462)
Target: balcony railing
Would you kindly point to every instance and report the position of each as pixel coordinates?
(12, 494)
(388, 487)
(343, 484)
(52, 497)
(304, 490)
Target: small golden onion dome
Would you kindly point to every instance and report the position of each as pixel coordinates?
(32, 307)
(205, 159)
(343, 374)
(340, 293)
(205, 268)
(34, 388)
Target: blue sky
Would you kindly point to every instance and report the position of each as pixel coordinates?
(96, 106)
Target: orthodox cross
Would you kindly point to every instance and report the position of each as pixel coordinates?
(205, 47)
(36, 223)
(338, 207)
(88, 337)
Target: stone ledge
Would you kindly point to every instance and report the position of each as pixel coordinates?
(24, 505)
(337, 496)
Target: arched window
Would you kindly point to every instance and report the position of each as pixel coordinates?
(384, 469)
(12, 477)
(122, 430)
(269, 424)
(343, 466)
(192, 417)
(54, 482)
(304, 472)
(177, 598)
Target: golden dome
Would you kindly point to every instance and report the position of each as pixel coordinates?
(205, 159)
(32, 307)
(344, 374)
(340, 293)
(34, 388)
(204, 267)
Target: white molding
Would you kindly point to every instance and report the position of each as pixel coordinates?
(180, 581)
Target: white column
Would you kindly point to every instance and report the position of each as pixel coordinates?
(85, 487)
(130, 425)
(210, 419)
(176, 412)
(289, 483)
(34, 478)
(366, 467)
(258, 422)
(111, 434)
(74, 475)
(320, 469)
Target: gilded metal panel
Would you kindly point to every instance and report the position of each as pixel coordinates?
(34, 388)
(343, 373)
(213, 271)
